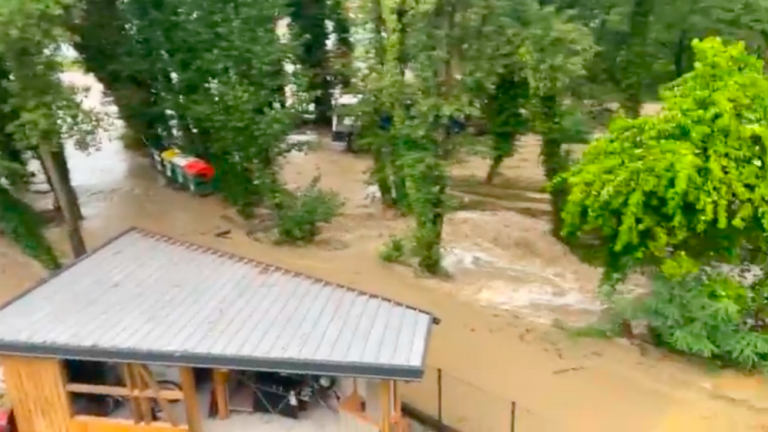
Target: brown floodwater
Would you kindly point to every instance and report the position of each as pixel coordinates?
(510, 281)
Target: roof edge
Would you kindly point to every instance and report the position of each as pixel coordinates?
(361, 370)
(68, 266)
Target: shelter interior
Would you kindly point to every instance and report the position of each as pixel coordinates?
(56, 395)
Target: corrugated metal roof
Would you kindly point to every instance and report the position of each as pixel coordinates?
(146, 297)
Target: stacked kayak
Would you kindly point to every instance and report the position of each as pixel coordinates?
(187, 172)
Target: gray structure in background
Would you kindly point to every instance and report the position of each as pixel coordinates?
(144, 297)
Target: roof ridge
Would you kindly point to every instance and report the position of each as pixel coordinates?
(212, 250)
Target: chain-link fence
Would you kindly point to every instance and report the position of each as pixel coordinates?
(453, 404)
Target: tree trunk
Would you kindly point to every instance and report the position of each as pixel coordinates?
(637, 56)
(381, 177)
(309, 17)
(324, 101)
(48, 177)
(62, 167)
(379, 29)
(681, 54)
(67, 200)
(60, 163)
(554, 160)
(496, 162)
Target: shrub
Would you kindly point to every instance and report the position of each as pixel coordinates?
(710, 315)
(299, 214)
(394, 250)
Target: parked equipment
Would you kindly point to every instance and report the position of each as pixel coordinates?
(345, 124)
(184, 171)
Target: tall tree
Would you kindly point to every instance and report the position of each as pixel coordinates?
(48, 113)
(103, 39)
(309, 17)
(680, 193)
(635, 59)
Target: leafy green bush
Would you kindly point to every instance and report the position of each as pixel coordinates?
(300, 214)
(710, 315)
(395, 250)
(21, 224)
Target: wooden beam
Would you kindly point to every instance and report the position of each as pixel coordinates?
(386, 407)
(189, 388)
(222, 393)
(35, 388)
(398, 408)
(150, 380)
(144, 402)
(121, 391)
(134, 406)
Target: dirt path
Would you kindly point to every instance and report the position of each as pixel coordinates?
(495, 344)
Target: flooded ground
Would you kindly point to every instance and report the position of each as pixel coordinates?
(510, 281)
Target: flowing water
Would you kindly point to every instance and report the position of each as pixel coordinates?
(509, 281)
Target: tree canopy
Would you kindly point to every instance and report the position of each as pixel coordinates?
(682, 192)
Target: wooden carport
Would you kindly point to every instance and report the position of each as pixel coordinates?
(145, 298)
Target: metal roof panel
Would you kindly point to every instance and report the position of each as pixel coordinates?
(148, 297)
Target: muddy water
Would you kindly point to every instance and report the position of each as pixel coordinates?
(510, 280)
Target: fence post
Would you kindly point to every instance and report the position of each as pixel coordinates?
(440, 395)
(512, 420)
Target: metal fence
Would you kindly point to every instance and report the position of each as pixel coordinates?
(455, 404)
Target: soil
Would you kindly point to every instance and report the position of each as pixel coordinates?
(510, 281)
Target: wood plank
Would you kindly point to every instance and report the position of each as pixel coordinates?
(221, 391)
(101, 424)
(189, 388)
(121, 391)
(150, 380)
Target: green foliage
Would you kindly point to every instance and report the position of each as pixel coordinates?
(710, 315)
(40, 114)
(505, 113)
(421, 78)
(309, 18)
(395, 250)
(299, 214)
(21, 224)
(98, 30)
(691, 179)
(681, 192)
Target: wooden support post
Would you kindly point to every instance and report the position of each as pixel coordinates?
(386, 406)
(221, 391)
(146, 374)
(134, 404)
(353, 402)
(192, 405)
(397, 407)
(145, 403)
(35, 387)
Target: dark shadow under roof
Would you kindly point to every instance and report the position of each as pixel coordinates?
(144, 297)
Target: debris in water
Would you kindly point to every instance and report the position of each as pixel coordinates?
(223, 233)
(573, 369)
